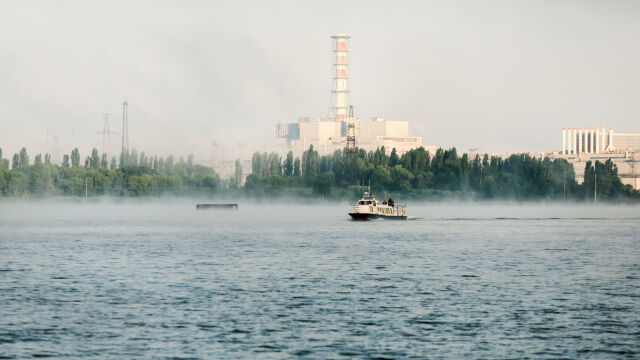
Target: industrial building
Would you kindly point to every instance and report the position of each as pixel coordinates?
(596, 140)
(379, 132)
(582, 144)
(329, 134)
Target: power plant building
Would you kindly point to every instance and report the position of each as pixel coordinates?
(595, 143)
(329, 134)
(378, 132)
(597, 140)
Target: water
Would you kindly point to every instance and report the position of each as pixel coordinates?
(160, 280)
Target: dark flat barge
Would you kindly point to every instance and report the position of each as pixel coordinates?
(217, 207)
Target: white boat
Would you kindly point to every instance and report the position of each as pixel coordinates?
(370, 208)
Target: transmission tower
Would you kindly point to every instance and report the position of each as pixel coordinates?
(124, 157)
(351, 133)
(106, 134)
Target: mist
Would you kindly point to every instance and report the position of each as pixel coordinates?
(499, 76)
(298, 211)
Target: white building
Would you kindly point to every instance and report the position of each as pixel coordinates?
(368, 131)
(319, 132)
(597, 140)
(582, 144)
(327, 135)
(378, 132)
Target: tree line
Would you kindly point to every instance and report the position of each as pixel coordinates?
(415, 174)
(132, 175)
(418, 173)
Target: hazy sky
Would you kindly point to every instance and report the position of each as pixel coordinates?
(496, 75)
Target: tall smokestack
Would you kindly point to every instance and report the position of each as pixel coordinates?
(575, 141)
(340, 77)
(610, 146)
(586, 139)
(564, 141)
(580, 150)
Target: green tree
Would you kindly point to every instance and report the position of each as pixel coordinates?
(393, 158)
(15, 161)
(94, 160)
(337, 166)
(47, 158)
(104, 163)
(310, 164)
(124, 159)
(288, 164)
(380, 177)
(401, 178)
(37, 160)
(65, 161)
(4, 164)
(238, 174)
(132, 158)
(275, 167)
(322, 183)
(24, 158)
(169, 164)
(143, 160)
(256, 161)
(296, 167)
(75, 158)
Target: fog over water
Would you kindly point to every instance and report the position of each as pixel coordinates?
(160, 279)
(281, 208)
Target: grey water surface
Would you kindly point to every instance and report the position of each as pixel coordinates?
(162, 280)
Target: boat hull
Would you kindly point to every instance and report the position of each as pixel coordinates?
(363, 216)
(366, 216)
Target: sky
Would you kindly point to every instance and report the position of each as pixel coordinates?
(499, 76)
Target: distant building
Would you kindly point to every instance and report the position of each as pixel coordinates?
(596, 140)
(580, 145)
(626, 141)
(378, 132)
(288, 131)
(327, 135)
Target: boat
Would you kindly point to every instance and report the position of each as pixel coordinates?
(217, 206)
(370, 208)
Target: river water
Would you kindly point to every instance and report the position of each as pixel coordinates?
(161, 280)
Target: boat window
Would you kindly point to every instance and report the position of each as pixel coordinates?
(361, 202)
